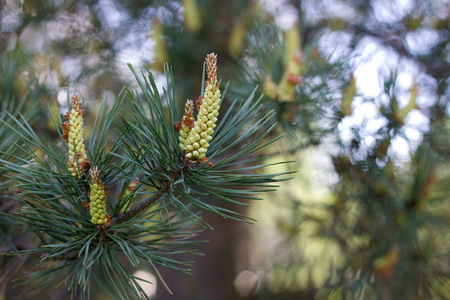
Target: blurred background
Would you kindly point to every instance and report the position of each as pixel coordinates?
(361, 94)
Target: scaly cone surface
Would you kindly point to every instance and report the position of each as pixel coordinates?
(187, 123)
(98, 199)
(195, 138)
(73, 134)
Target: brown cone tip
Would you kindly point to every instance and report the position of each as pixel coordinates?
(76, 104)
(211, 70)
(66, 128)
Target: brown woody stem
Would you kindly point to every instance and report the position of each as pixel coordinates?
(140, 207)
(165, 186)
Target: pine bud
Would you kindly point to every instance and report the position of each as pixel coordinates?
(270, 88)
(195, 144)
(286, 91)
(187, 123)
(192, 18)
(73, 134)
(291, 79)
(98, 199)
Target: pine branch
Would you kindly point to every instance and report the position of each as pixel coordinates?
(179, 182)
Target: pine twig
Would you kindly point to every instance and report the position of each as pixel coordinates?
(186, 165)
(140, 207)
